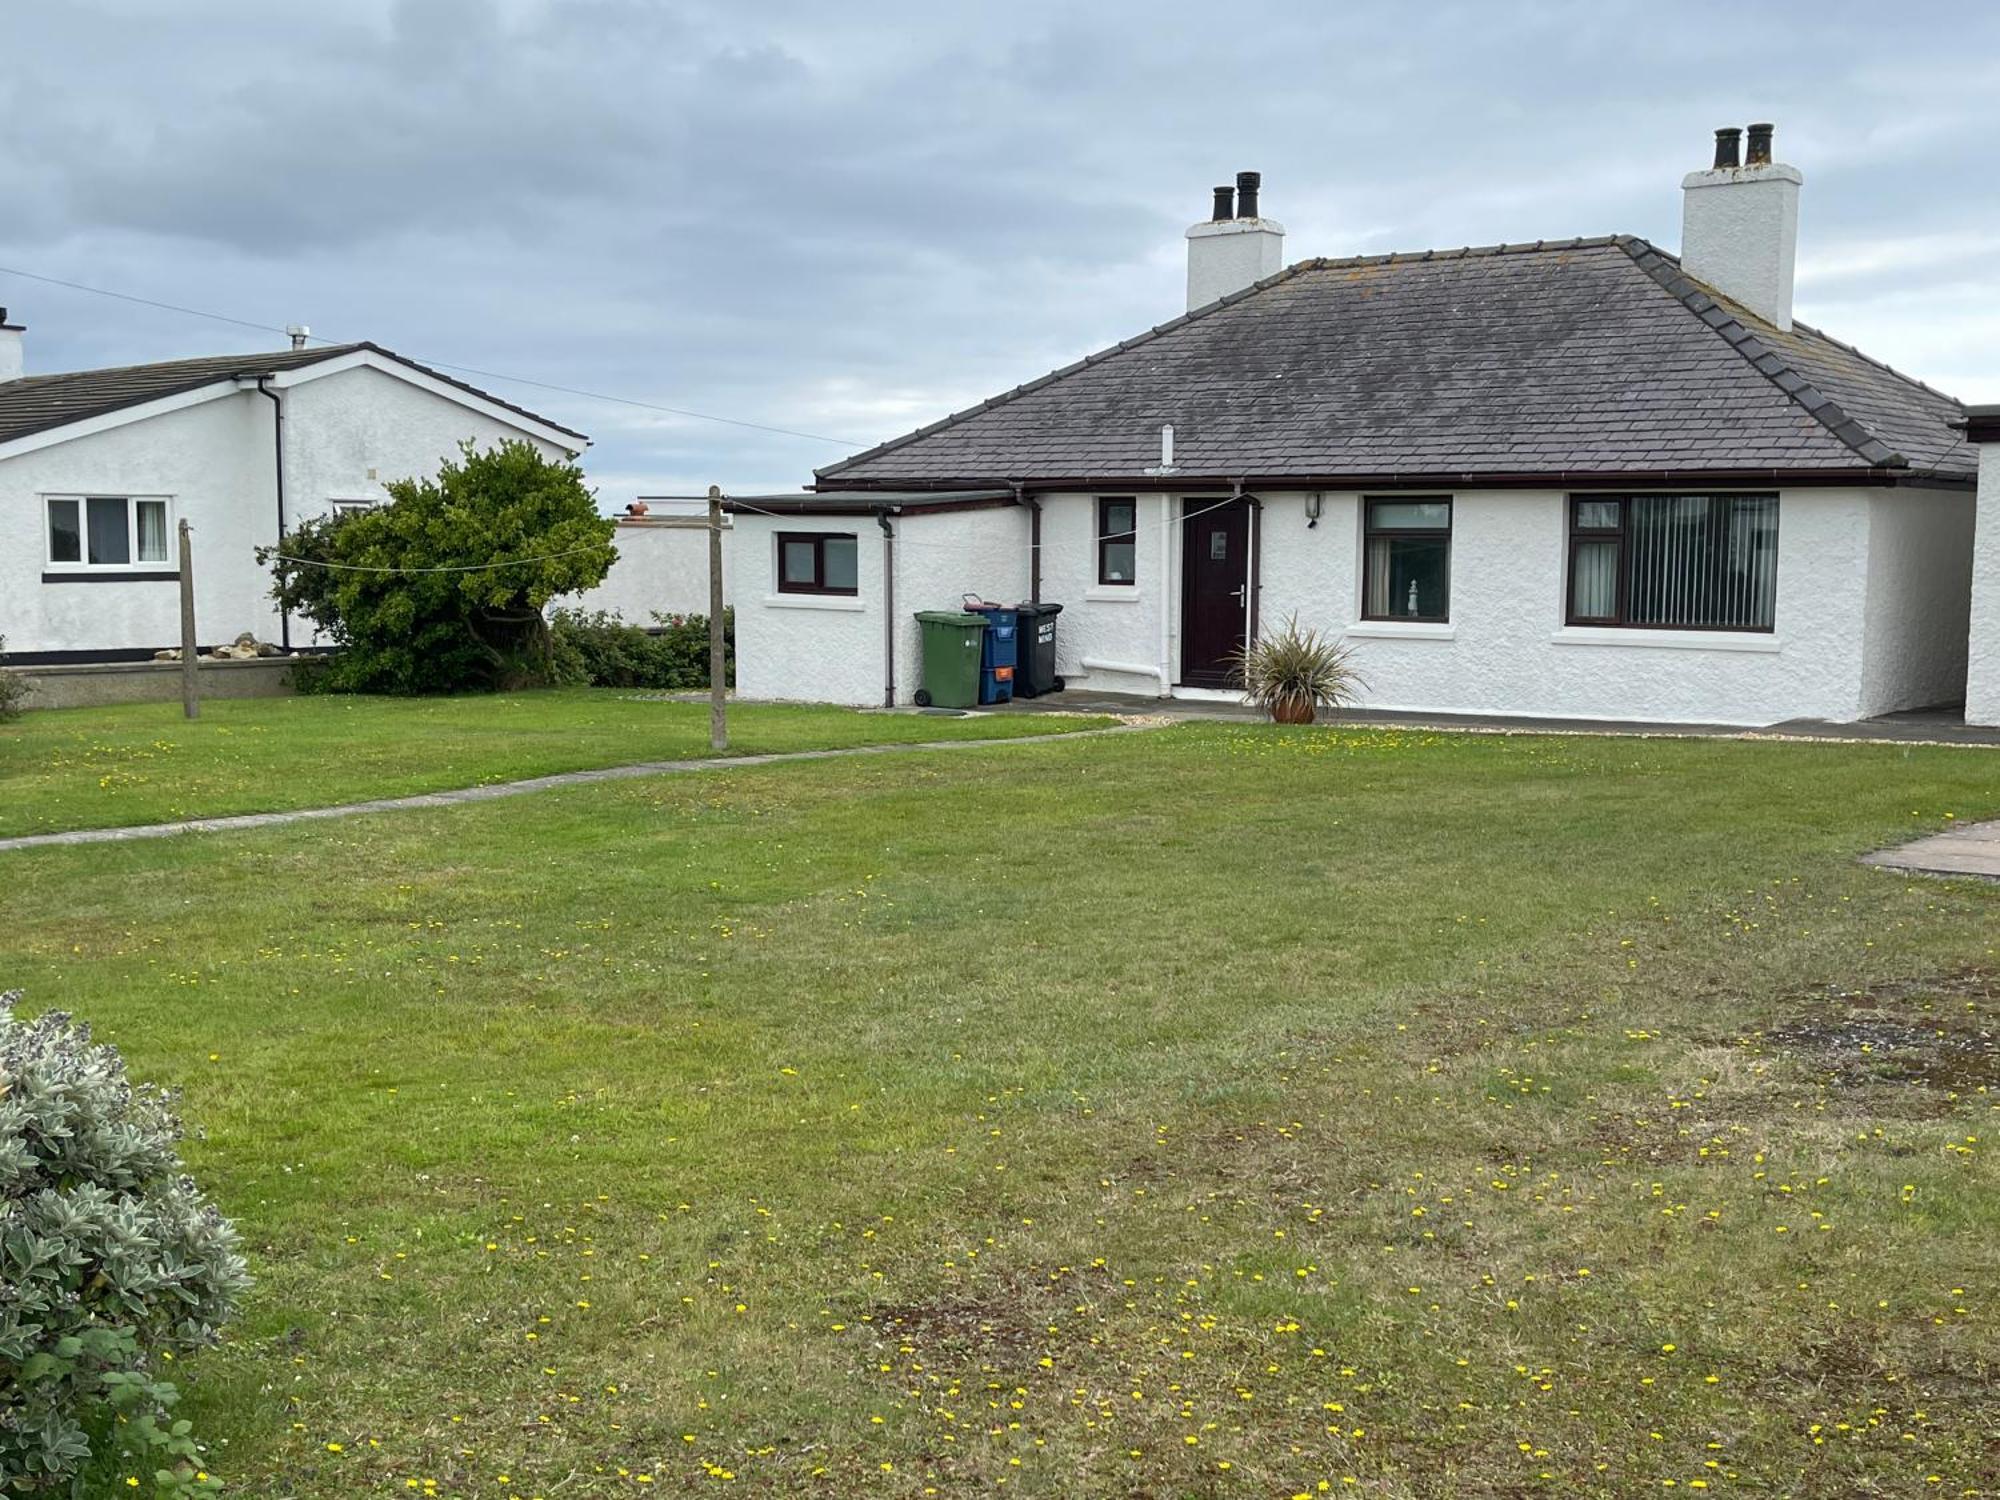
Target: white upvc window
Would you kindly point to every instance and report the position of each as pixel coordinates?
(108, 533)
(350, 507)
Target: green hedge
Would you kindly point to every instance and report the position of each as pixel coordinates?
(599, 649)
(13, 688)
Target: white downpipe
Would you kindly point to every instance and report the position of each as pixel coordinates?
(1095, 664)
(1167, 595)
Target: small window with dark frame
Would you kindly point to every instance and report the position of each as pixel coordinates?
(1406, 548)
(818, 562)
(1673, 562)
(1117, 539)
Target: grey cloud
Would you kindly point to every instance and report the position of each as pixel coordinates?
(850, 219)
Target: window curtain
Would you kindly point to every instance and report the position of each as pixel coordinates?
(1378, 576)
(1595, 580)
(152, 530)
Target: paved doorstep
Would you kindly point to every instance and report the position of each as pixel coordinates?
(498, 789)
(1971, 850)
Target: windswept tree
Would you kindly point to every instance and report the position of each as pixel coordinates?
(444, 589)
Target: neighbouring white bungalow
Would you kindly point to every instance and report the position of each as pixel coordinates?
(1584, 478)
(1982, 678)
(662, 566)
(98, 467)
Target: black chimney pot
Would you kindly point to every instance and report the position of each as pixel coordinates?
(1760, 145)
(1225, 204)
(1727, 141)
(1247, 184)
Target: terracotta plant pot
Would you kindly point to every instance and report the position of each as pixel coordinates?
(1292, 710)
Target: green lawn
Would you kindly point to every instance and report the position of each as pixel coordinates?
(144, 763)
(1216, 1111)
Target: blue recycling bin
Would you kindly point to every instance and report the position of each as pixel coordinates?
(999, 652)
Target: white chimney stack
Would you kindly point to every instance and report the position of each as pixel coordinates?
(1232, 248)
(1740, 226)
(12, 366)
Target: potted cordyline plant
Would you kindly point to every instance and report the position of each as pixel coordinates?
(1293, 673)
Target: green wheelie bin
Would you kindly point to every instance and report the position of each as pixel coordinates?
(951, 641)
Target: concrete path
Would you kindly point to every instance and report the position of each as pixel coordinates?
(1971, 850)
(1926, 727)
(496, 790)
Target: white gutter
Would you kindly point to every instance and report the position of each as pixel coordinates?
(888, 609)
(1165, 670)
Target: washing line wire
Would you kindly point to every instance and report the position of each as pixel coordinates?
(543, 385)
(512, 562)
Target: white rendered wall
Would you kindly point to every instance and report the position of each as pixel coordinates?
(662, 568)
(942, 558)
(1231, 254)
(1506, 649)
(805, 647)
(829, 649)
(215, 462)
(346, 436)
(1919, 594)
(1112, 622)
(1982, 679)
(1851, 639)
(1740, 233)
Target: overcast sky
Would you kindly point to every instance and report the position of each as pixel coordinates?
(849, 219)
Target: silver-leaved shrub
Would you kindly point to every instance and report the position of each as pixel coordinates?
(109, 1257)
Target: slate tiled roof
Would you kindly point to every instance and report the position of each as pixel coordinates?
(1559, 360)
(36, 403)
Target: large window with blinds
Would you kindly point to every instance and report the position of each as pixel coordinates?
(1674, 562)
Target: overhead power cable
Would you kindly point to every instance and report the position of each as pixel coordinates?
(1139, 528)
(540, 385)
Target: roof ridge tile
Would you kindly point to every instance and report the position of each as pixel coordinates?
(1665, 270)
(1882, 365)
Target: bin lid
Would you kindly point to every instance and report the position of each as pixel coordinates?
(1029, 607)
(951, 617)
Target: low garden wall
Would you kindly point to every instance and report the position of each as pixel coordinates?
(88, 684)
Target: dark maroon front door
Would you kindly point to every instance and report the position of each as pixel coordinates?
(1215, 578)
